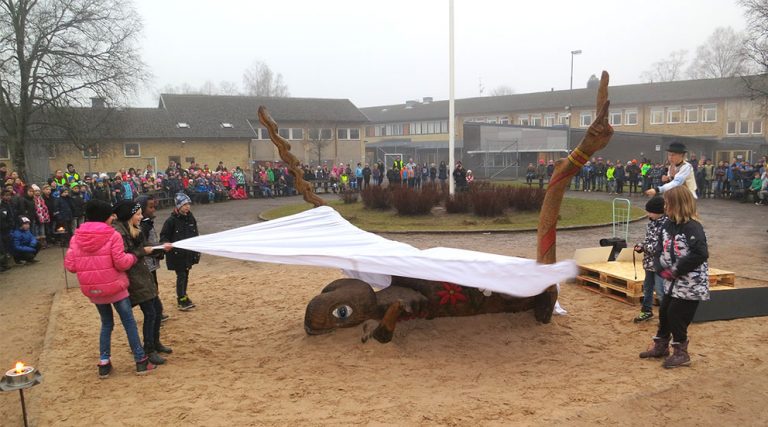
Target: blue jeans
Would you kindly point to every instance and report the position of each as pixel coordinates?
(652, 282)
(123, 308)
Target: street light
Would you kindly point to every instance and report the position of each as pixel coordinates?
(570, 98)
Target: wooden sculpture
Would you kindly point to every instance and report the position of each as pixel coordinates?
(350, 302)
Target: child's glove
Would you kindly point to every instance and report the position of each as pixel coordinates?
(639, 248)
(668, 274)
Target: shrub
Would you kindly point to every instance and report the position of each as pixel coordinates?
(489, 201)
(458, 203)
(377, 197)
(526, 199)
(408, 201)
(349, 196)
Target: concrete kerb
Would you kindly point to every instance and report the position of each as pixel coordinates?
(521, 230)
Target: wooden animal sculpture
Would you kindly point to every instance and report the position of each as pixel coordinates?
(350, 302)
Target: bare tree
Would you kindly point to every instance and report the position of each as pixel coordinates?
(318, 140)
(209, 88)
(723, 55)
(59, 53)
(260, 80)
(502, 90)
(228, 88)
(756, 12)
(666, 70)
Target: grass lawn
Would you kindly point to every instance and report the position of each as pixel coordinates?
(574, 212)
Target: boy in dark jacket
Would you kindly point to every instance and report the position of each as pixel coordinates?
(653, 282)
(77, 202)
(25, 245)
(63, 215)
(181, 225)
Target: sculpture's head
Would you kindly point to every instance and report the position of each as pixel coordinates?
(341, 304)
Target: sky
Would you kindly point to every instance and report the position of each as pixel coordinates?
(386, 52)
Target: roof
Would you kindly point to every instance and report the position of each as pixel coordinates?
(665, 92)
(205, 113)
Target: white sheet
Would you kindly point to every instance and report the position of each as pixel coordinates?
(321, 237)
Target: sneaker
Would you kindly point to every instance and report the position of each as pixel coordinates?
(144, 366)
(643, 316)
(105, 370)
(155, 358)
(163, 348)
(185, 303)
(164, 317)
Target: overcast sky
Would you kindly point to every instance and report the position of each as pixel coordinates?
(385, 52)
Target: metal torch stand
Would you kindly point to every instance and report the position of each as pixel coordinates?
(5, 385)
(62, 243)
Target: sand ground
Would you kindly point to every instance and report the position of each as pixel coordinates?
(242, 357)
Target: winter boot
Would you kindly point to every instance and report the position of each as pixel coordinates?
(679, 357)
(105, 368)
(659, 348)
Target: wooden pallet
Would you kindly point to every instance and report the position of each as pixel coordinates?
(609, 290)
(618, 280)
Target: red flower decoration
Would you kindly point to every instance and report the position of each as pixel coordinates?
(451, 293)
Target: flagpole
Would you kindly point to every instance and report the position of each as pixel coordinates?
(451, 114)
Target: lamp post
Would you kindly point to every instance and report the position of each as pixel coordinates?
(570, 98)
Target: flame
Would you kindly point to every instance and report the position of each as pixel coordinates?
(19, 367)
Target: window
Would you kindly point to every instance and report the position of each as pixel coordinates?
(691, 114)
(415, 128)
(284, 133)
(290, 133)
(630, 117)
(504, 121)
(189, 160)
(91, 152)
(320, 134)
(298, 133)
(564, 119)
(657, 116)
(226, 125)
(131, 150)
(430, 127)
(614, 118)
(586, 119)
(4, 152)
(369, 131)
(524, 121)
(353, 133)
(757, 126)
(731, 129)
(444, 126)
(174, 159)
(536, 121)
(182, 125)
(709, 113)
(673, 115)
(743, 127)
(549, 120)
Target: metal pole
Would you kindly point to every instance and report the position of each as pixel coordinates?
(23, 407)
(451, 118)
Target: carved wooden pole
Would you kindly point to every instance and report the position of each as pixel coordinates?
(294, 165)
(596, 138)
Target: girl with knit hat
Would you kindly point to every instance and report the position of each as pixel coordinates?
(96, 255)
(142, 288)
(181, 225)
(42, 215)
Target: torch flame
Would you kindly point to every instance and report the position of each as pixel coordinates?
(19, 367)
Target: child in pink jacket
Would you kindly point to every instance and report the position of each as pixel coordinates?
(96, 255)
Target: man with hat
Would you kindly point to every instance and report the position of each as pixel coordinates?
(680, 172)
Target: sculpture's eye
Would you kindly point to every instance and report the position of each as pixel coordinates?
(342, 312)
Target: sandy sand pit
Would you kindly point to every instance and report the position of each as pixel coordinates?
(242, 357)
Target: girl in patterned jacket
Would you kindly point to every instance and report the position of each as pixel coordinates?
(681, 259)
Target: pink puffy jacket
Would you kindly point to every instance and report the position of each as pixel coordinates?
(96, 255)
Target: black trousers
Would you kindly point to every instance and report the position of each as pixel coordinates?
(182, 278)
(675, 315)
(153, 313)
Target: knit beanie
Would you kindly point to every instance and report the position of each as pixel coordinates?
(182, 199)
(142, 201)
(655, 205)
(125, 209)
(97, 211)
